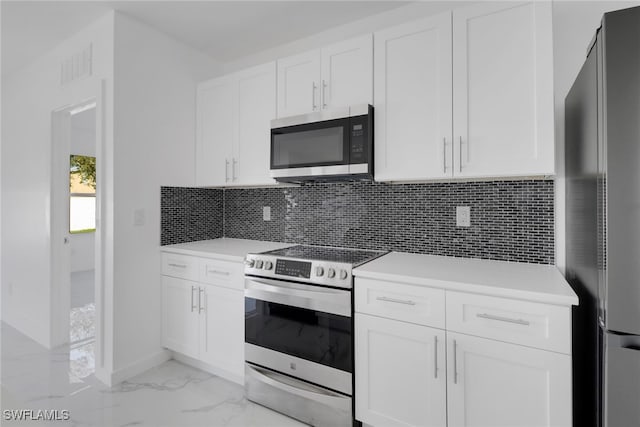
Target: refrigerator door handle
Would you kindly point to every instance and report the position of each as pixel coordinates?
(630, 342)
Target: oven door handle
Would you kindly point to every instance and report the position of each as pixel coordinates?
(327, 300)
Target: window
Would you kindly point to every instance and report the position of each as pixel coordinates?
(82, 192)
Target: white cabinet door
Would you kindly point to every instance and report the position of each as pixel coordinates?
(180, 315)
(216, 129)
(256, 108)
(496, 384)
(400, 373)
(299, 84)
(503, 90)
(222, 325)
(412, 83)
(347, 73)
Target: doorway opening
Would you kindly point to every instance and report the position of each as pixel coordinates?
(77, 239)
(82, 240)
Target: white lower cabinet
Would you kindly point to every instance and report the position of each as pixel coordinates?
(403, 378)
(204, 320)
(180, 317)
(400, 373)
(222, 337)
(496, 384)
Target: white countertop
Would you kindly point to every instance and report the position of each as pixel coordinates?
(531, 282)
(224, 248)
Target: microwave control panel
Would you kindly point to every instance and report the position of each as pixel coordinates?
(359, 146)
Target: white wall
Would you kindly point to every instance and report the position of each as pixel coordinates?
(574, 25)
(28, 99)
(156, 79)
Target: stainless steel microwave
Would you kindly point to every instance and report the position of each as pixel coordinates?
(324, 146)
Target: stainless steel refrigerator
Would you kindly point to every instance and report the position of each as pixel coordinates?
(602, 164)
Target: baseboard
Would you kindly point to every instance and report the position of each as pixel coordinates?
(139, 367)
(222, 373)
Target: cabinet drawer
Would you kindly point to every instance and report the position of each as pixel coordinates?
(532, 324)
(222, 273)
(180, 266)
(399, 301)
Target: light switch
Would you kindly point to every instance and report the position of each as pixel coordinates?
(463, 216)
(266, 213)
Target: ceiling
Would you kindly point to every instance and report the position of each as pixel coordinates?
(225, 30)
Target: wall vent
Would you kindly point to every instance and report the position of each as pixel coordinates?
(76, 66)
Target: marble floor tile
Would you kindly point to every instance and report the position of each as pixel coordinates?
(172, 394)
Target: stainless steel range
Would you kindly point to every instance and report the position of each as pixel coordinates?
(298, 331)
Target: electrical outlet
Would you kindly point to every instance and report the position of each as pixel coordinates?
(463, 216)
(266, 213)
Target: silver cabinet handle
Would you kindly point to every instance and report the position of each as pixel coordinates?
(460, 155)
(177, 265)
(435, 357)
(444, 155)
(503, 319)
(455, 362)
(221, 273)
(193, 307)
(233, 169)
(313, 96)
(398, 301)
(200, 291)
(324, 99)
(226, 170)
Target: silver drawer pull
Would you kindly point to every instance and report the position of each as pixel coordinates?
(177, 265)
(503, 319)
(222, 273)
(398, 301)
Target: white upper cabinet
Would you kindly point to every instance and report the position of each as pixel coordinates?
(216, 128)
(503, 90)
(334, 76)
(233, 135)
(413, 100)
(347, 74)
(256, 109)
(468, 98)
(298, 84)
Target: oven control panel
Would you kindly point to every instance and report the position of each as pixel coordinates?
(288, 267)
(316, 272)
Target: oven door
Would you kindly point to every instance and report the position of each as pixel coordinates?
(300, 330)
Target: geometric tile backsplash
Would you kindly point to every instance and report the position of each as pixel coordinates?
(190, 214)
(510, 220)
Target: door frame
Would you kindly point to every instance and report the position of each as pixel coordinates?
(59, 223)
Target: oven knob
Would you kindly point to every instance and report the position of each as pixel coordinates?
(258, 263)
(319, 271)
(331, 273)
(249, 263)
(268, 265)
(343, 274)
